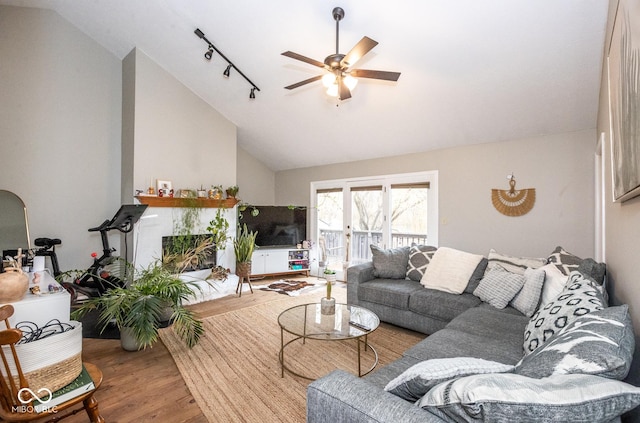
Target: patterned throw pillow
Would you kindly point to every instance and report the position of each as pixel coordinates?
(513, 264)
(498, 287)
(600, 343)
(391, 263)
(526, 301)
(578, 298)
(419, 258)
(508, 397)
(416, 381)
(564, 260)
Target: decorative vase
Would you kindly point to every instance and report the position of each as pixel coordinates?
(328, 306)
(13, 285)
(128, 341)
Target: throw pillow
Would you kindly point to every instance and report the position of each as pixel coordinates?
(593, 269)
(578, 298)
(419, 258)
(510, 397)
(526, 301)
(391, 264)
(477, 276)
(564, 260)
(554, 283)
(450, 270)
(600, 343)
(514, 264)
(416, 381)
(498, 287)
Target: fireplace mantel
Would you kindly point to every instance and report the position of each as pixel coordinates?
(154, 201)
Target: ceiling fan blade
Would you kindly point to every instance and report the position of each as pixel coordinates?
(303, 59)
(305, 82)
(363, 47)
(375, 74)
(343, 91)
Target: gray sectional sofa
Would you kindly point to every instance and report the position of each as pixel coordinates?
(458, 325)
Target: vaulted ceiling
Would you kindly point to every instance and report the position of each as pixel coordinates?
(472, 71)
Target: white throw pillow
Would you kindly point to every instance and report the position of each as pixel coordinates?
(450, 270)
(554, 282)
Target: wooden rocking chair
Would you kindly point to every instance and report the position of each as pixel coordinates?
(12, 409)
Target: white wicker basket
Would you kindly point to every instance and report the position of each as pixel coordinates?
(51, 362)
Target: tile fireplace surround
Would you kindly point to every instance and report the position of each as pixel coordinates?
(159, 221)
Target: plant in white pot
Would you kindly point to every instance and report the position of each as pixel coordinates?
(137, 310)
(328, 304)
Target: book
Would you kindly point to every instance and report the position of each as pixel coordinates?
(80, 385)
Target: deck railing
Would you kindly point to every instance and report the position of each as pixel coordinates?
(360, 242)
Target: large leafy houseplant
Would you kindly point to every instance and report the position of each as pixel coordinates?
(139, 306)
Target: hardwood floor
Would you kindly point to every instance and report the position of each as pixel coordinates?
(146, 386)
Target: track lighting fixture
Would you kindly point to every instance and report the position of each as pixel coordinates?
(227, 72)
(209, 53)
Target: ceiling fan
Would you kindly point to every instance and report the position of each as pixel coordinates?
(341, 77)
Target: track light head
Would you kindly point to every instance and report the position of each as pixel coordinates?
(227, 71)
(252, 94)
(209, 53)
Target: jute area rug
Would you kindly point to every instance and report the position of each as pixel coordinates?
(234, 372)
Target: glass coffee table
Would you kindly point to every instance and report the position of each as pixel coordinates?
(306, 321)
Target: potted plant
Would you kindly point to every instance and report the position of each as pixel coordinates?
(328, 304)
(243, 246)
(219, 228)
(137, 309)
(232, 191)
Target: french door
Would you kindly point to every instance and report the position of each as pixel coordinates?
(348, 216)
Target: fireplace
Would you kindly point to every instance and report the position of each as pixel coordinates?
(192, 252)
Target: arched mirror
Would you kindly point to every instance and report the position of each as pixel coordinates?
(14, 227)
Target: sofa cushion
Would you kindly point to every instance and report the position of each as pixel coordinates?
(391, 263)
(499, 286)
(513, 264)
(600, 343)
(526, 301)
(419, 258)
(564, 260)
(450, 270)
(416, 381)
(554, 283)
(440, 305)
(477, 276)
(593, 269)
(579, 297)
(388, 292)
(505, 396)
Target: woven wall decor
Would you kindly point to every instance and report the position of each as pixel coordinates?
(513, 202)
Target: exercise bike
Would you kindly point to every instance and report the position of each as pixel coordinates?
(98, 278)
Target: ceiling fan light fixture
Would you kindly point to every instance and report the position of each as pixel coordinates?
(328, 80)
(350, 82)
(332, 91)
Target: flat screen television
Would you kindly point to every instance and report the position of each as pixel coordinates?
(277, 226)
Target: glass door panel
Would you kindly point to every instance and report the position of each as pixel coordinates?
(409, 214)
(367, 222)
(330, 224)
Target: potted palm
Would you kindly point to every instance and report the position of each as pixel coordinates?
(243, 246)
(137, 309)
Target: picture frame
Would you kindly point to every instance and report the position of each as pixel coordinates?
(165, 186)
(624, 101)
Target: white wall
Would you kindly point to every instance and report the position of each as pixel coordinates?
(559, 167)
(622, 220)
(176, 135)
(60, 106)
(255, 179)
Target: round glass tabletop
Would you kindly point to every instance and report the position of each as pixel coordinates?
(347, 322)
